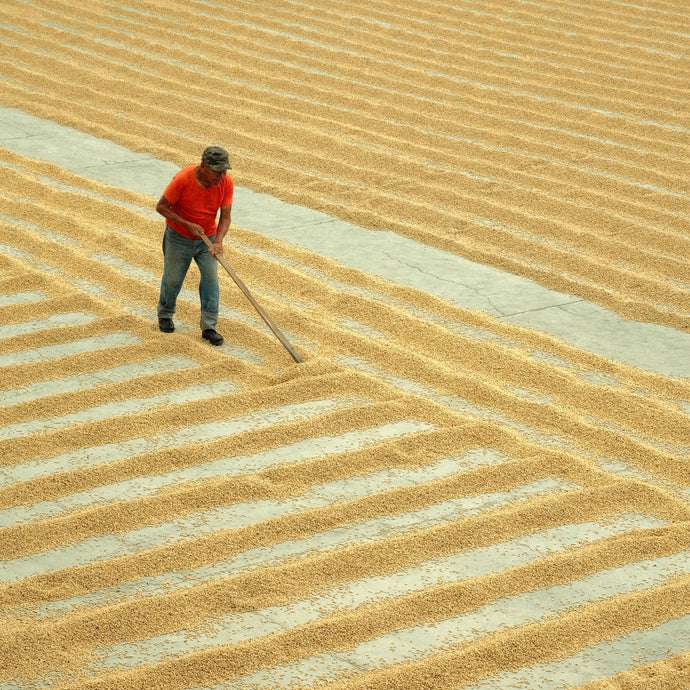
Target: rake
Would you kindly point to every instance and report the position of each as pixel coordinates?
(262, 313)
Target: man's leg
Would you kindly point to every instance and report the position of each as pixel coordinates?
(209, 293)
(177, 255)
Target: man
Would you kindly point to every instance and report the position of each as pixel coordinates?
(190, 205)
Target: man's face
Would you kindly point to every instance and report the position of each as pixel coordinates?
(208, 177)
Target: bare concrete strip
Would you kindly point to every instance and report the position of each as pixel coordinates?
(396, 258)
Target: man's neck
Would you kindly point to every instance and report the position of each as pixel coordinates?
(197, 170)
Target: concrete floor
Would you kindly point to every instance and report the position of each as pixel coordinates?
(512, 298)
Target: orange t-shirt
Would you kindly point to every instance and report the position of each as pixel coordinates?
(194, 203)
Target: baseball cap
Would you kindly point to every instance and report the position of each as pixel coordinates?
(216, 158)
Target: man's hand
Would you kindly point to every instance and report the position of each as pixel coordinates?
(164, 207)
(195, 230)
(217, 249)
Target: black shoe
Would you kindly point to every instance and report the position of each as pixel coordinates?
(166, 325)
(212, 336)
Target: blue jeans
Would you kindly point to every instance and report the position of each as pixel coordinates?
(178, 252)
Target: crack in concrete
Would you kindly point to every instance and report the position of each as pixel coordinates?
(494, 309)
(550, 306)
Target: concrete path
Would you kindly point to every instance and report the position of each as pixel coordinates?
(470, 285)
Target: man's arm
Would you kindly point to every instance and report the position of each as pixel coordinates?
(223, 227)
(164, 207)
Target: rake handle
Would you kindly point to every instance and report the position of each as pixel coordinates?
(262, 313)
